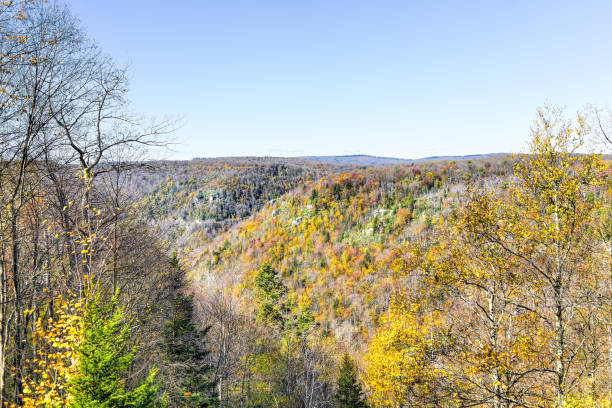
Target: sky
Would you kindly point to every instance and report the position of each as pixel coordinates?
(402, 79)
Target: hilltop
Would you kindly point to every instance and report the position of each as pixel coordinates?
(340, 160)
(367, 160)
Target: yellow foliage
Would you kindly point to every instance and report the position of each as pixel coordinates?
(399, 361)
(56, 359)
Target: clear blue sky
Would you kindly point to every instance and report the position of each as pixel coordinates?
(390, 78)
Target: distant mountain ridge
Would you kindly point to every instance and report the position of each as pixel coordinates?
(368, 160)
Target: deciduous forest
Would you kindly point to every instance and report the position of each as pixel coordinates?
(285, 282)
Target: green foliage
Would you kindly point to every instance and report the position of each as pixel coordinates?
(270, 290)
(186, 354)
(268, 284)
(349, 394)
(104, 359)
(304, 320)
(314, 195)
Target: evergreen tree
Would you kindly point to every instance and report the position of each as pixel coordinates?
(191, 385)
(349, 394)
(270, 291)
(104, 357)
(268, 284)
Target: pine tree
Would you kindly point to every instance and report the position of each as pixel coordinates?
(185, 351)
(270, 291)
(104, 357)
(349, 394)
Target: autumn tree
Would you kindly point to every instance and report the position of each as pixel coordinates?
(56, 360)
(523, 271)
(551, 228)
(401, 369)
(64, 117)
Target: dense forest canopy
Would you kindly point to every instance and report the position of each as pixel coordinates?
(271, 282)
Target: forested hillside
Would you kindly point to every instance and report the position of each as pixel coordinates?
(334, 281)
(210, 195)
(453, 283)
(221, 190)
(341, 244)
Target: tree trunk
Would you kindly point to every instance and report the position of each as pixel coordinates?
(18, 343)
(3, 324)
(559, 344)
(497, 400)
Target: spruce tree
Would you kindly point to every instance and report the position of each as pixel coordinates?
(104, 357)
(270, 291)
(191, 385)
(349, 394)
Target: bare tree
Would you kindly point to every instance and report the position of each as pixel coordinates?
(64, 122)
(601, 124)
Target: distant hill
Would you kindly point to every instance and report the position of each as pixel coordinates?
(367, 160)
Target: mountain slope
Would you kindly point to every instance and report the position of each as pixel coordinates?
(340, 244)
